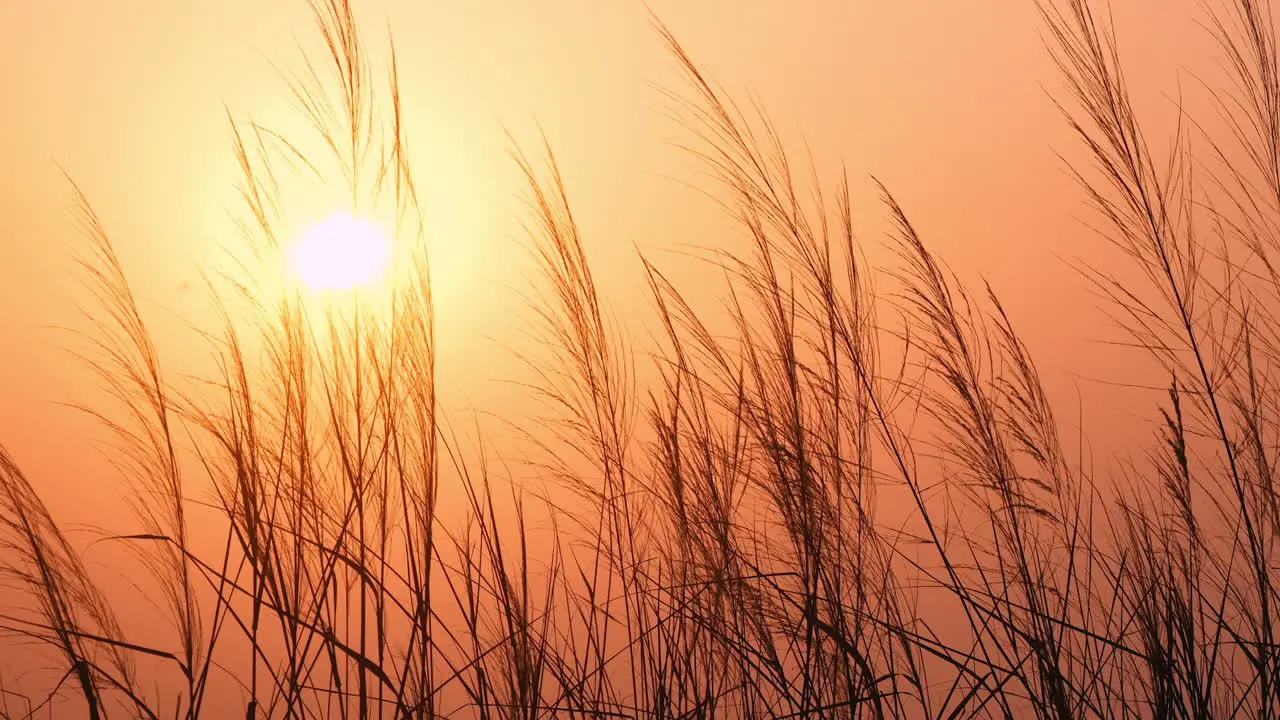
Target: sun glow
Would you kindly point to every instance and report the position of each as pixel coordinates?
(340, 253)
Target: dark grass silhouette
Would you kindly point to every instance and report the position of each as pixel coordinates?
(814, 515)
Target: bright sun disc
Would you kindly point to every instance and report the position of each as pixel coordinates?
(341, 253)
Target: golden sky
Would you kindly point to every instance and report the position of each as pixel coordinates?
(945, 101)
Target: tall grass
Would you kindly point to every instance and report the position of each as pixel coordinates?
(814, 514)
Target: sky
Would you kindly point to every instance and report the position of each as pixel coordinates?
(948, 103)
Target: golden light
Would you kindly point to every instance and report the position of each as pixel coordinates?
(340, 253)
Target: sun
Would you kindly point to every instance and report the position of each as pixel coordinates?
(341, 253)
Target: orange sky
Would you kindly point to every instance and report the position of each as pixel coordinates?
(943, 100)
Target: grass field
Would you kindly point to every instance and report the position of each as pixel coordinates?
(851, 498)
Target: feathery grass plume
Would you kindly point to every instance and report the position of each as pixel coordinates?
(1206, 625)
(147, 427)
(70, 615)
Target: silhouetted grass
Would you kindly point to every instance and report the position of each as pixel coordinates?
(815, 514)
